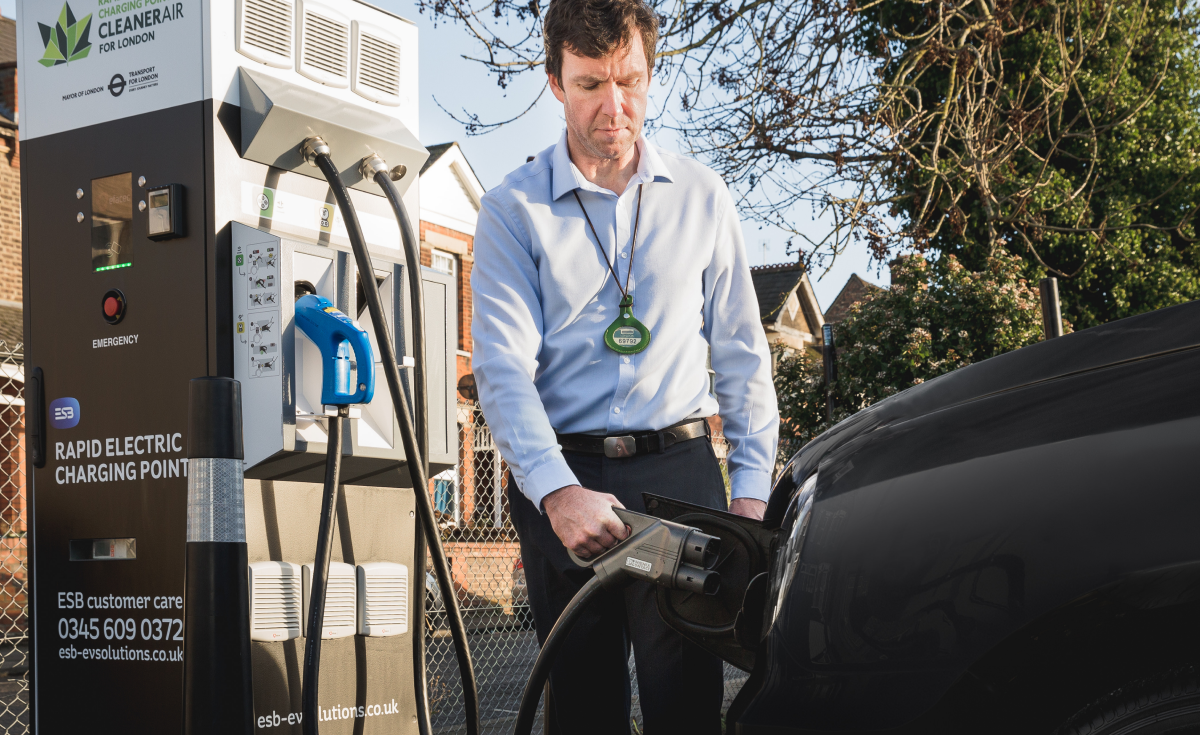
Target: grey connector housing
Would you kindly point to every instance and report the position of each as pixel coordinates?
(278, 116)
(665, 553)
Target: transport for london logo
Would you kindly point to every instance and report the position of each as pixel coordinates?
(67, 40)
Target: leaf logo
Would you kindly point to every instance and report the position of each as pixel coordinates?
(67, 40)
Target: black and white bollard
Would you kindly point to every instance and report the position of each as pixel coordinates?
(218, 697)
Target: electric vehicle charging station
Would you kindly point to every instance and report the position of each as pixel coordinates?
(170, 224)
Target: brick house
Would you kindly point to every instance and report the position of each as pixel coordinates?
(788, 307)
(471, 500)
(450, 197)
(13, 574)
(855, 290)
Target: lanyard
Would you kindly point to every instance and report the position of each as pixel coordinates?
(632, 248)
(626, 335)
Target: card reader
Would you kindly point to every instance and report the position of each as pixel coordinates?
(165, 213)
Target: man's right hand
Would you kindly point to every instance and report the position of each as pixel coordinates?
(584, 520)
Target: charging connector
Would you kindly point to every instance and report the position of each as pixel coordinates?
(665, 553)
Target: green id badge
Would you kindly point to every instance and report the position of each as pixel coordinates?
(626, 334)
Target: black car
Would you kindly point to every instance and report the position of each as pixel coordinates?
(1013, 547)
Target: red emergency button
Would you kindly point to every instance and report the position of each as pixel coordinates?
(114, 306)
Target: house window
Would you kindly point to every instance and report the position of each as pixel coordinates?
(445, 497)
(444, 262)
(447, 263)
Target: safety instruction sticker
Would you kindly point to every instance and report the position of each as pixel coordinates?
(258, 318)
(264, 346)
(264, 291)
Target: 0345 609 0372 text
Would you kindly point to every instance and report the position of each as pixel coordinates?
(147, 627)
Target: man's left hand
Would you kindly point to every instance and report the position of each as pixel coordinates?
(748, 508)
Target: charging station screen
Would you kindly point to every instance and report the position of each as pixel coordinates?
(112, 220)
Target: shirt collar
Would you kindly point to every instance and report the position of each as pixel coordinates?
(567, 177)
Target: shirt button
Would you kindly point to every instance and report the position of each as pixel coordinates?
(624, 254)
(626, 359)
(617, 409)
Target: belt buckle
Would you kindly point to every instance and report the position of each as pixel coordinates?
(616, 447)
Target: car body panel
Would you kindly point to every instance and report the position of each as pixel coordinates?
(953, 522)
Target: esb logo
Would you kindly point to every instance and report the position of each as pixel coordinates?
(64, 413)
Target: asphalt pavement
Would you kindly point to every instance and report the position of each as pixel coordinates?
(503, 660)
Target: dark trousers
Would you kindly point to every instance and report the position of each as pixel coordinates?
(680, 686)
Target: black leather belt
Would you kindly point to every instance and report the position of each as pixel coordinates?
(641, 442)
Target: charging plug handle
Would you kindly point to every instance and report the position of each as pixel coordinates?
(668, 554)
(329, 329)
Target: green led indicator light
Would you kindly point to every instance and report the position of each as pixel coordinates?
(113, 267)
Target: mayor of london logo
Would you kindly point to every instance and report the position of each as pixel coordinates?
(67, 40)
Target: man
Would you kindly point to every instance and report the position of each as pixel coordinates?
(606, 272)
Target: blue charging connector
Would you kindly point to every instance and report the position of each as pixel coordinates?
(336, 336)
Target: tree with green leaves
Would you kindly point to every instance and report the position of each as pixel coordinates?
(936, 317)
(1065, 131)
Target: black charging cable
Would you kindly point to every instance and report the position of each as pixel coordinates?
(316, 599)
(374, 167)
(591, 590)
(317, 153)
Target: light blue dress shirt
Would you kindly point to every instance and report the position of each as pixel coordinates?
(544, 296)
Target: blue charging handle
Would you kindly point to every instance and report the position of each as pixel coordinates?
(336, 335)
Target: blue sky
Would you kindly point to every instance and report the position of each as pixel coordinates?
(457, 83)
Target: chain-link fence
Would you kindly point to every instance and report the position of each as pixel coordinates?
(14, 561)
(486, 559)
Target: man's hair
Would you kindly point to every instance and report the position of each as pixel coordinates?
(597, 28)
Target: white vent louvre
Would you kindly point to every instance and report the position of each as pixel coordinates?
(324, 46)
(274, 601)
(265, 31)
(340, 601)
(382, 599)
(376, 65)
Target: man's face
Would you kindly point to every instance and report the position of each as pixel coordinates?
(605, 99)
